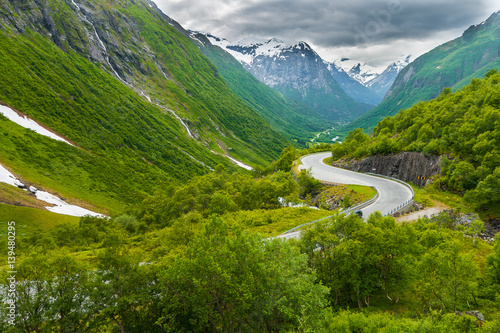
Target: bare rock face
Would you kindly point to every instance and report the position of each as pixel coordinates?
(407, 166)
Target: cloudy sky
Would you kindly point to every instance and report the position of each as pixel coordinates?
(373, 31)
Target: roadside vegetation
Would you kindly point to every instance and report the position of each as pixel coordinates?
(464, 126)
(216, 274)
(198, 258)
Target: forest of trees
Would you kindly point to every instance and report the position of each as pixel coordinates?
(188, 259)
(343, 275)
(465, 126)
(185, 260)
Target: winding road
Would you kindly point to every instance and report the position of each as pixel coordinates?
(391, 193)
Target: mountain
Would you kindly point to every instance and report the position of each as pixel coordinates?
(383, 82)
(362, 82)
(293, 119)
(353, 87)
(452, 64)
(360, 72)
(296, 71)
(142, 105)
(462, 127)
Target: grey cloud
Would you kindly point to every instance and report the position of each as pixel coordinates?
(329, 23)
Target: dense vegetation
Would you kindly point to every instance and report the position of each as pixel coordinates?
(54, 69)
(185, 256)
(452, 64)
(465, 125)
(187, 259)
(204, 274)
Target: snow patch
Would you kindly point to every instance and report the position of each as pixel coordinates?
(246, 51)
(8, 178)
(28, 123)
(286, 203)
(193, 37)
(364, 73)
(61, 207)
(235, 161)
(239, 163)
(147, 97)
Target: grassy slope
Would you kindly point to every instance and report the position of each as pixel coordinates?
(30, 221)
(117, 129)
(453, 63)
(208, 97)
(293, 119)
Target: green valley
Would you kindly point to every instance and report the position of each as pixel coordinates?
(212, 219)
(292, 118)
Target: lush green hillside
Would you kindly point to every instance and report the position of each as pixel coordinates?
(209, 274)
(85, 72)
(451, 64)
(465, 125)
(293, 119)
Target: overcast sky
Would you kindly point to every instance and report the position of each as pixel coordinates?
(373, 31)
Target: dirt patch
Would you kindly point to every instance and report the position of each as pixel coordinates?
(436, 209)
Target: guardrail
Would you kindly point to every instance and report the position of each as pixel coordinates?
(365, 203)
(406, 203)
(349, 210)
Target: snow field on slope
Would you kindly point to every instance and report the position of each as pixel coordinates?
(61, 207)
(28, 123)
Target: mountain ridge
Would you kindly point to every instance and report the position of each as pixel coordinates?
(293, 119)
(298, 72)
(467, 56)
(130, 89)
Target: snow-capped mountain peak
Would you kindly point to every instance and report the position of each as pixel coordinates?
(364, 73)
(246, 51)
(359, 71)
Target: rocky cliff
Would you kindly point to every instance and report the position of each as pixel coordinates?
(408, 166)
(297, 72)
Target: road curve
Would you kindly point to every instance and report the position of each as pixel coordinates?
(391, 193)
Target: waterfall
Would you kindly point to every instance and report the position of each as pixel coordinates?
(100, 42)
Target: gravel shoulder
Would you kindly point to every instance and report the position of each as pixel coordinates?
(436, 209)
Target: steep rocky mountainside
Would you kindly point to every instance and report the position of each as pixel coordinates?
(293, 119)
(352, 87)
(298, 72)
(121, 81)
(452, 64)
(363, 82)
(407, 166)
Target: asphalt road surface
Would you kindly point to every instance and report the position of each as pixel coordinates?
(391, 193)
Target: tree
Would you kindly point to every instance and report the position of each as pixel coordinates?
(308, 184)
(229, 280)
(475, 228)
(449, 277)
(119, 285)
(70, 291)
(493, 261)
(32, 293)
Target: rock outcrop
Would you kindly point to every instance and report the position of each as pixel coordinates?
(407, 166)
